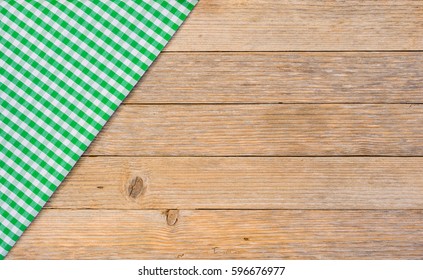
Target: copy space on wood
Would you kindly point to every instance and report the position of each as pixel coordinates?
(242, 183)
(240, 234)
(263, 130)
(302, 25)
(283, 77)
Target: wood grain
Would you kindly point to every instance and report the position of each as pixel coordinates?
(292, 77)
(160, 181)
(271, 130)
(302, 25)
(240, 234)
(242, 183)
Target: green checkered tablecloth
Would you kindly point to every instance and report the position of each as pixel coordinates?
(65, 66)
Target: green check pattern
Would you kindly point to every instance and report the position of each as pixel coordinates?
(65, 66)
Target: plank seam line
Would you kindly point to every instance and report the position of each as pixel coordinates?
(235, 209)
(265, 103)
(253, 156)
(299, 51)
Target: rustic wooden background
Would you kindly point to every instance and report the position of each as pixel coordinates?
(267, 129)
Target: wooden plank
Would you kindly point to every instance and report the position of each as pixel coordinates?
(293, 77)
(271, 130)
(306, 25)
(225, 234)
(242, 183)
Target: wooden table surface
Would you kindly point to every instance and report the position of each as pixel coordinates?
(267, 129)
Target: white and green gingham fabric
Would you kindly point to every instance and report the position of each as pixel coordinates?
(65, 66)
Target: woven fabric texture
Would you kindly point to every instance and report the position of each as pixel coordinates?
(65, 66)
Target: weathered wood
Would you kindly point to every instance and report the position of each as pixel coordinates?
(224, 234)
(271, 130)
(243, 183)
(356, 77)
(119, 190)
(292, 25)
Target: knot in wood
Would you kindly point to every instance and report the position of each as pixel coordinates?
(172, 217)
(136, 187)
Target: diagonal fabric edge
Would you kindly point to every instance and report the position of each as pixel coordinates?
(65, 67)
